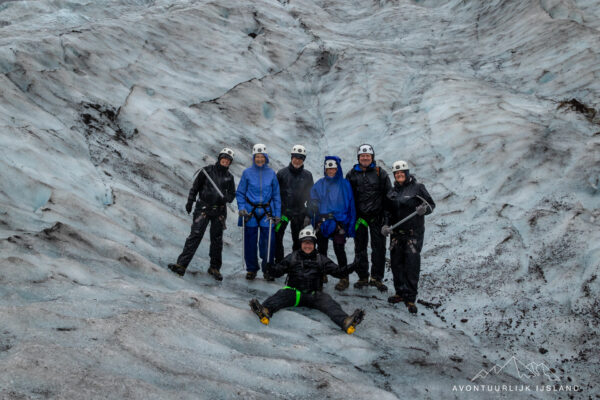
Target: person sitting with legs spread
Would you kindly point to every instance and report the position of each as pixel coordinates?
(305, 269)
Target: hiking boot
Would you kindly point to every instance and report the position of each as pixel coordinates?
(395, 299)
(258, 309)
(215, 273)
(178, 269)
(250, 275)
(350, 322)
(361, 283)
(378, 284)
(412, 307)
(268, 277)
(342, 284)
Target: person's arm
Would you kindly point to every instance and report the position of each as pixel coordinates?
(352, 212)
(331, 268)
(280, 269)
(196, 187)
(240, 194)
(230, 190)
(276, 197)
(425, 194)
(307, 190)
(386, 183)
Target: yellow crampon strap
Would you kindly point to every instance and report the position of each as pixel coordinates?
(360, 222)
(298, 293)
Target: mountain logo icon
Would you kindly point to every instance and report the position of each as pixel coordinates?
(519, 369)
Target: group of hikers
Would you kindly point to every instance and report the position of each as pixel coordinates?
(363, 204)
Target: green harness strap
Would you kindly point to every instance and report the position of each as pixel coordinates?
(297, 295)
(282, 220)
(360, 222)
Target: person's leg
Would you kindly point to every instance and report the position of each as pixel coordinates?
(397, 265)
(283, 298)
(326, 304)
(360, 252)
(322, 244)
(193, 240)
(296, 223)
(377, 250)
(250, 239)
(263, 244)
(279, 250)
(413, 267)
(340, 253)
(339, 244)
(216, 241)
(398, 261)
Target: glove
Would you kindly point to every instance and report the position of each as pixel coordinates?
(275, 220)
(188, 206)
(243, 213)
(386, 230)
(421, 210)
(313, 207)
(306, 222)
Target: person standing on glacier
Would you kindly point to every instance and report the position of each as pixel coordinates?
(259, 206)
(295, 183)
(333, 213)
(305, 269)
(406, 197)
(370, 184)
(210, 208)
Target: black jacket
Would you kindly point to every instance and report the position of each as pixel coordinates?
(205, 191)
(401, 202)
(305, 271)
(370, 188)
(294, 188)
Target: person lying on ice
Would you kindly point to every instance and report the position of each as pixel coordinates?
(305, 269)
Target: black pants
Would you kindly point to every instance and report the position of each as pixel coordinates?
(405, 254)
(296, 226)
(318, 300)
(361, 240)
(193, 240)
(339, 242)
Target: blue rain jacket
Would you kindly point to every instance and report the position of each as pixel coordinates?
(260, 186)
(334, 196)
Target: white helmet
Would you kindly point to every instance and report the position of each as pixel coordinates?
(330, 164)
(259, 148)
(365, 149)
(307, 233)
(400, 166)
(226, 152)
(298, 149)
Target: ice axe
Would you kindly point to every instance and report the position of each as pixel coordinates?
(397, 224)
(243, 243)
(213, 183)
(269, 244)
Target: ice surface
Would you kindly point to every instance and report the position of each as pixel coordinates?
(107, 108)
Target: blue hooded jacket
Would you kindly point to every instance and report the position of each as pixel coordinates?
(260, 186)
(334, 196)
